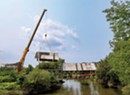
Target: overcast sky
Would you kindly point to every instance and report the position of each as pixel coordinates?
(76, 29)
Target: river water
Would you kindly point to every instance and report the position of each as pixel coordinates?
(74, 87)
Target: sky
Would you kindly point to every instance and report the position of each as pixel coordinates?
(77, 30)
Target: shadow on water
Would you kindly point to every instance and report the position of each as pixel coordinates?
(74, 87)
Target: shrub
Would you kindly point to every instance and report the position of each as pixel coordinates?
(39, 81)
(126, 90)
(9, 86)
(51, 65)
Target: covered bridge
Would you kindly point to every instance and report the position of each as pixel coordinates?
(79, 67)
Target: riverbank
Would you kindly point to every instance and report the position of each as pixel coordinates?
(74, 87)
(11, 92)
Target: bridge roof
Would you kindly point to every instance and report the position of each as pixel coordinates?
(79, 67)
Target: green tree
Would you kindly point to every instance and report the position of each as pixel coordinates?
(51, 65)
(39, 82)
(106, 74)
(118, 15)
(8, 75)
(29, 68)
(120, 62)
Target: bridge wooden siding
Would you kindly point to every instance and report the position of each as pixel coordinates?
(79, 67)
(79, 70)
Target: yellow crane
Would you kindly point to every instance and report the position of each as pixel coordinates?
(20, 63)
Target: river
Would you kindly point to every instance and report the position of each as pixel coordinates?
(74, 87)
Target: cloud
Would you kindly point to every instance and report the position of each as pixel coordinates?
(58, 29)
(26, 30)
(57, 35)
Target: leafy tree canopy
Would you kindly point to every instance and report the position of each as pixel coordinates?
(118, 61)
(118, 15)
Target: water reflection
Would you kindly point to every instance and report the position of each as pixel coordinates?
(74, 87)
(93, 90)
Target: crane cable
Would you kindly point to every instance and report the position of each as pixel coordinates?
(45, 35)
(48, 43)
